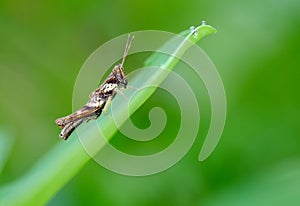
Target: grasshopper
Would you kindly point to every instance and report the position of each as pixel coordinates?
(100, 99)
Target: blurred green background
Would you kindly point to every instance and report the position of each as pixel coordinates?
(256, 51)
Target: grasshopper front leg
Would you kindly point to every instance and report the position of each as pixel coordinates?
(109, 100)
(107, 105)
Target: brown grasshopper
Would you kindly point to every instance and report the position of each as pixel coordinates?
(100, 99)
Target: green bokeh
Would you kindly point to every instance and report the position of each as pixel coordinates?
(256, 51)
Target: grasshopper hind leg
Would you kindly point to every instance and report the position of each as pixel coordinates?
(69, 128)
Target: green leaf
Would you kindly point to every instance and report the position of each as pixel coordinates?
(62, 163)
(6, 143)
(47, 176)
(278, 185)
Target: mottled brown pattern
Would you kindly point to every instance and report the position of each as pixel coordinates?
(98, 98)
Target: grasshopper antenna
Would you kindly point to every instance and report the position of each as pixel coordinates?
(127, 47)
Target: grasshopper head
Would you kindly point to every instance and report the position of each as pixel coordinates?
(120, 75)
(118, 70)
